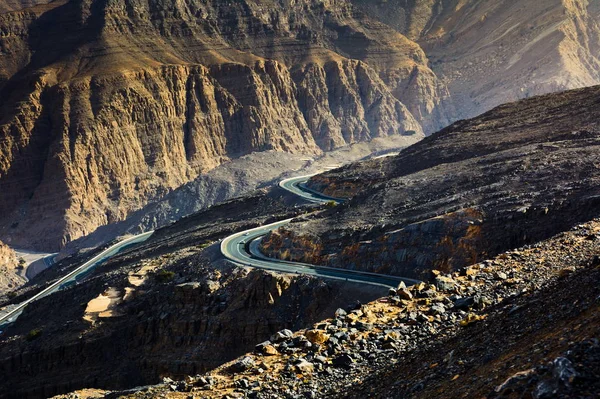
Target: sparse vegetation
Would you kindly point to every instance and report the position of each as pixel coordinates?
(22, 263)
(164, 276)
(33, 334)
(330, 204)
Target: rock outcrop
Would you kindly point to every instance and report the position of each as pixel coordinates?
(109, 105)
(9, 277)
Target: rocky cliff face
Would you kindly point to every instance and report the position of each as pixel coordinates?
(9, 278)
(492, 52)
(109, 105)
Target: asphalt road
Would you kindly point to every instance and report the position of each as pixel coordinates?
(243, 247)
(39, 266)
(297, 186)
(74, 276)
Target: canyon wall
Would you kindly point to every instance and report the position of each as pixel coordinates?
(9, 277)
(109, 105)
(492, 52)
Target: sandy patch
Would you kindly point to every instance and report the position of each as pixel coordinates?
(103, 305)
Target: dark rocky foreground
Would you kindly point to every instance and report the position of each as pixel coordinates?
(524, 324)
(513, 176)
(176, 308)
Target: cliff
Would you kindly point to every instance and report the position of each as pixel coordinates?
(9, 277)
(109, 105)
(492, 52)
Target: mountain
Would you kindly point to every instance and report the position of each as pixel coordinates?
(512, 176)
(491, 52)
(108, 105)
(498, 216)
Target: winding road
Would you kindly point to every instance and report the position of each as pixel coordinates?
(243, 248)
(297, 186)
(9, 316)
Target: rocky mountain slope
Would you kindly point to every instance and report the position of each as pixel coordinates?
(513, 326)
(172, 306)
(108, 105)
(512, 176)
(441, 341)
(491, 52)
(9, 276)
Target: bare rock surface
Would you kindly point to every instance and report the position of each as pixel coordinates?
(492, 52)
(10, 274)
(107, 107)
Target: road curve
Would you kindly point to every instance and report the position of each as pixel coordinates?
(297, 186)
(73, 276)
(243, 248)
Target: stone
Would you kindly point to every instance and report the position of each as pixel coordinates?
(203, 381)
(363, 326)
(404, 294)
(304, 367)
(242, 384)
(444, 283)
(344, 361)
(464, 303)
(437, 309)
(563, 371)
(260, 347)
(269, 350)
(389, 345)
(481, 301)
(281, 336)
(242, 365)
(470, 319)
(340, 313)
(316, 336)
(320, 359)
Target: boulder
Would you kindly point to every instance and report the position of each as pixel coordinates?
(282, 335)
(242, 365)
(316, 336)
